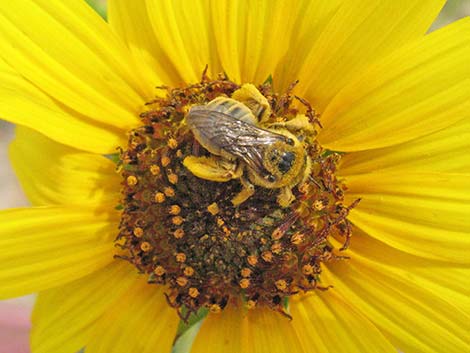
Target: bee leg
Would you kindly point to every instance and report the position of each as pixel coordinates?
(249, 95)
(212, 168)
(285, 197)
(299, 123)
(245, 193)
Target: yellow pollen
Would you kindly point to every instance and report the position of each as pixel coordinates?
(177, 220)
(281, 284)
(215, 309)
(138, 232)
(175, 210)
(267, 256)
(180, 257)
(169, 191)
(307, 269)
(213, 208)
(244, 283)
(165, 161)
(182, 281)
(179, 233)
(179, 153)
(297, 238)
(188, 271)
(145, 246)
(172, 143)
(245, 272)
(173, 178)
(160, 197)
(252, 260)
(155, 169)
(193, 292)
(159, 271)
(131, 180)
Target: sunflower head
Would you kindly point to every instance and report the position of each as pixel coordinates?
(186, 233)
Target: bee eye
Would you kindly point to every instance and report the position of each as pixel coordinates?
(271, 178)
(286, 162)
(290, 141)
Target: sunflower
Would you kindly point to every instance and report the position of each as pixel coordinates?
(393, 105)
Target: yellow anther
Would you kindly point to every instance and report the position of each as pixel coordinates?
(131, 180)
(193, 292)
(281, 284)
(276, 248)
(250, 304)
(177, 220)
(159, 270)
(182, 281)
(267, 256)
(179, 233)
(215, 309)
(165, 161)
(169, 191)
(245, 272)
(307, 269)
(155, 169)
(138, 232)
(180, 257)
(188, 271)
(252, 260)
(145, 246)
(297, 238)
(175, 210)
(244, 283)
(160, 197)
(213, 208)
(173, 178)
(172, 143)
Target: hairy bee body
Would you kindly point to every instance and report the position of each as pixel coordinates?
(272, 158)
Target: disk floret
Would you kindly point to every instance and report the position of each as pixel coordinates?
(186, 233)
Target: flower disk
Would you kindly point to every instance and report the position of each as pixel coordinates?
(185, 233)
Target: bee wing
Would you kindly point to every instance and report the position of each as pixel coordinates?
(223, 135)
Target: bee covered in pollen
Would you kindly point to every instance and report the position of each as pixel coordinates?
(245, 145)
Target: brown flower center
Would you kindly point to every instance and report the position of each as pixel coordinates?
(187, 233)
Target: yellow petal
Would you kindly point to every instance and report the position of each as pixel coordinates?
(24, 104)
(64, 318)
(51, 173)
(182, 31)
(447, 150)
(68, 51)
(359, 33)
(131, 21)
(444, 279)
(424, 214)
(45, 247)
(419, 89)
(139, 321)
(412, 317)
(256, 39)
(236, 330)
(327, 323)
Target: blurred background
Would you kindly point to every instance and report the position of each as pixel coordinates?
(15, 313)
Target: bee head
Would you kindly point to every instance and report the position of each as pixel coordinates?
(286, 161)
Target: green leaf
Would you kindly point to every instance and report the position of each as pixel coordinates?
(269, 80)
(113, 157)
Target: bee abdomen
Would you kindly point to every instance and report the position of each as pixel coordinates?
(233, 108)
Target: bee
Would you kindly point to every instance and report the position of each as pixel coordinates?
(244, 146)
